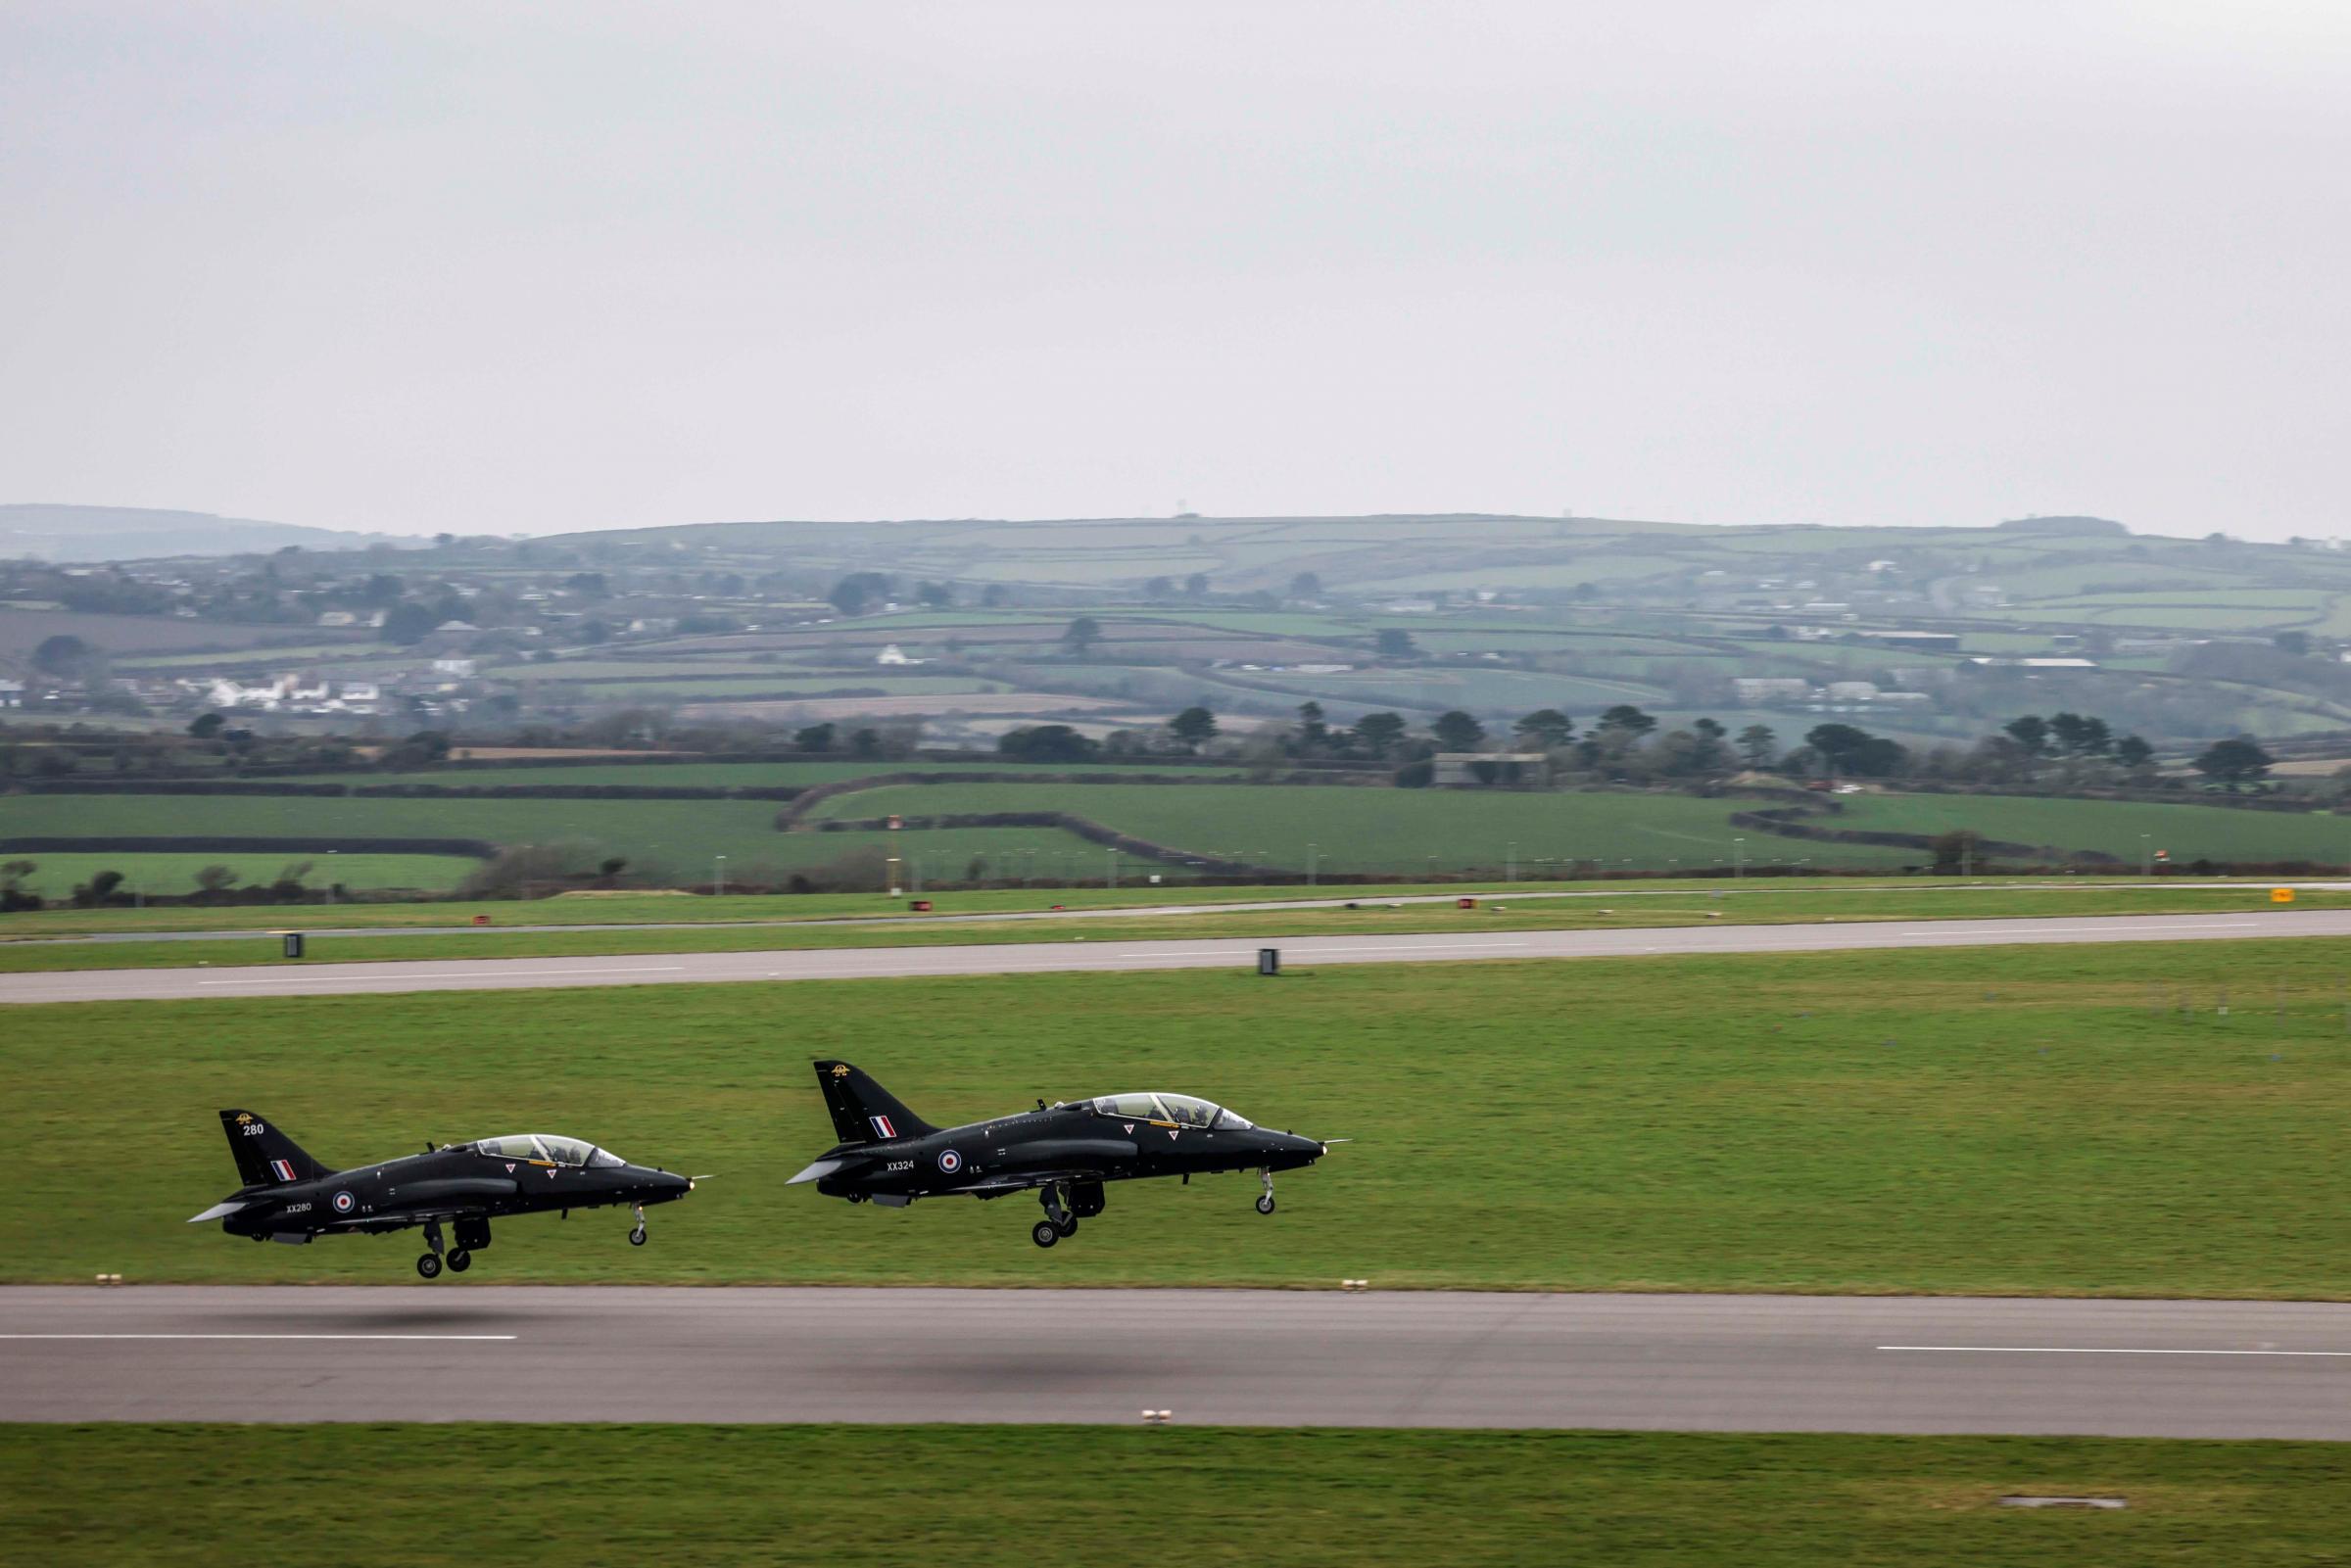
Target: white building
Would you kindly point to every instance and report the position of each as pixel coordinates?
(1852, 691)
(1753, 690)
(891, 653)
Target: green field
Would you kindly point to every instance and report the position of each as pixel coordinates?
(1353, 829)
(2007, 1122)
(2113, 827)
(1383, 830)
(677, 838)
(720, 774)
(914, 1497)
(858, 682)
(1369, 830)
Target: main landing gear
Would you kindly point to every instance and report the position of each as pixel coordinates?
(472, 1235)
(637, 1236)
(1058, 1221)
(1264, 1200)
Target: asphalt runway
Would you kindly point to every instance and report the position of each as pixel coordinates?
(305, 978)
(466, 1352)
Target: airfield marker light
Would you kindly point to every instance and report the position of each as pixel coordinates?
(1158, 1417)
(1268, 960)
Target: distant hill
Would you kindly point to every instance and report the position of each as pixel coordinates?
(54, 533)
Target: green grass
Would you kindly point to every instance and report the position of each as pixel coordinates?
(57, 874)
(606, 909)
(914, 1497)
(1506, 913)
(2009, 1121)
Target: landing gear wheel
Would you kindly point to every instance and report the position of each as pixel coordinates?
(637, 1237)
(459, 1260)
(1067, 1225)
(1265, 1203)
(1045, 1233)
(429, 1266)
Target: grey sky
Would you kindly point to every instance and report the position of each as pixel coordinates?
(418, 266)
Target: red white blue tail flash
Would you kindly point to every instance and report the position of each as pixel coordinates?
(284, 1169)
(881, 1127)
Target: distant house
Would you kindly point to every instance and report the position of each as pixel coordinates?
(12, 694)
(1852, 691)
(337, 618)
(462, 669)
(891, 653)
(1922, 642)
(1489, 767)
(1753, 690)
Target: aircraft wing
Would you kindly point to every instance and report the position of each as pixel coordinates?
(1026, 1180)
(409, 1217)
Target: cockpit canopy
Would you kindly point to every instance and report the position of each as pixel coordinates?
(1171, 1110)
(549, 1149)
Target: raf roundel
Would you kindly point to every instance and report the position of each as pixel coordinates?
(345, 1203)
(949, 1161)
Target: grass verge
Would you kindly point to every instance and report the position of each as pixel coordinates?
(685, 1496)
(1995, 1120)
(1506, 913)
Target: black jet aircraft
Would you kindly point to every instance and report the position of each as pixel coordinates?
(290, 1197)
(890, 1156)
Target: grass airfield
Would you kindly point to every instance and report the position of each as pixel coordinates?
(1996, 1120)
(690, 1496)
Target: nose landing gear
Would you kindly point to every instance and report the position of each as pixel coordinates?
(1264, 1200)
(637, 1236)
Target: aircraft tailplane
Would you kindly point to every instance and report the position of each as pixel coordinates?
(264, 1156)
(864, 1112)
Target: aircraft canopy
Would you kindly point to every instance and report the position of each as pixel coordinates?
(550, 1147)
(1184, 1110)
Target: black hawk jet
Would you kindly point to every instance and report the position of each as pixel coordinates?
(890, 1156)
(290, 1197)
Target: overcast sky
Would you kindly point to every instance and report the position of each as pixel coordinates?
(478, 267)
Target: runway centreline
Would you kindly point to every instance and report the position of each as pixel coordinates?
(1017, 958)
(2210, 1370)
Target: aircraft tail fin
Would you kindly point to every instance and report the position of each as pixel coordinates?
(864, 1112)
(264, 1156)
